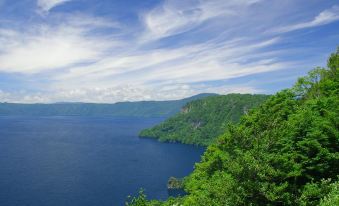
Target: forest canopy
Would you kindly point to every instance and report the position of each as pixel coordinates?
(285, 152)
(201, 121)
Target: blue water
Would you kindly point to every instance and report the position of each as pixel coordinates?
(80, 161)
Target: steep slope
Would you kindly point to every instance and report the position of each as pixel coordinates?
(138, 109)
(201, 121)
(285, 152)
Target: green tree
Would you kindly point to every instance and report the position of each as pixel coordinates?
(284, 152)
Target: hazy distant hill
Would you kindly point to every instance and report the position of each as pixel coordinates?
(136, 109)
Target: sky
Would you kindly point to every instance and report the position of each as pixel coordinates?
(131, 50)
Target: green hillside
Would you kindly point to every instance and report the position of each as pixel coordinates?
(121, 109)
(285, 152)
(201, 121)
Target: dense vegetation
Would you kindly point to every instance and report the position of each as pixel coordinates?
(285, 152)
(121, 109)
(201, 121)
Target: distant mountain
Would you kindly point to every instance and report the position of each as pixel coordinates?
(202, 121)
(120, 109)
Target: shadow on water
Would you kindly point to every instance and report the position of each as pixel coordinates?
(176, 192)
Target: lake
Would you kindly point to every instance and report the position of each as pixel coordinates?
(85, 161)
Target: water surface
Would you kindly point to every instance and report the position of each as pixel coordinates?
(80, 161)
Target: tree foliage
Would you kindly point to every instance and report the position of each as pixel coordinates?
(332, 198)
(285, 152)
(202, 121)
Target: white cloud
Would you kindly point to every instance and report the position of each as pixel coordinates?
(46, 5)
(325, 17)
(45, 47)
(122, 93)
(196, 63)
(176, 16)
(92, 59)
(92, 68)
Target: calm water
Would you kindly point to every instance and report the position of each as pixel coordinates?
(80, 161)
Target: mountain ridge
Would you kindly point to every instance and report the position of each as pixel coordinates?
(118, 109)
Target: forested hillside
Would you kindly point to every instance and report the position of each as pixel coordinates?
(120, 109)
(201, 121)
(285, 152)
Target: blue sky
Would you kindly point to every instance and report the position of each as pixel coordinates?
(130, 50)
